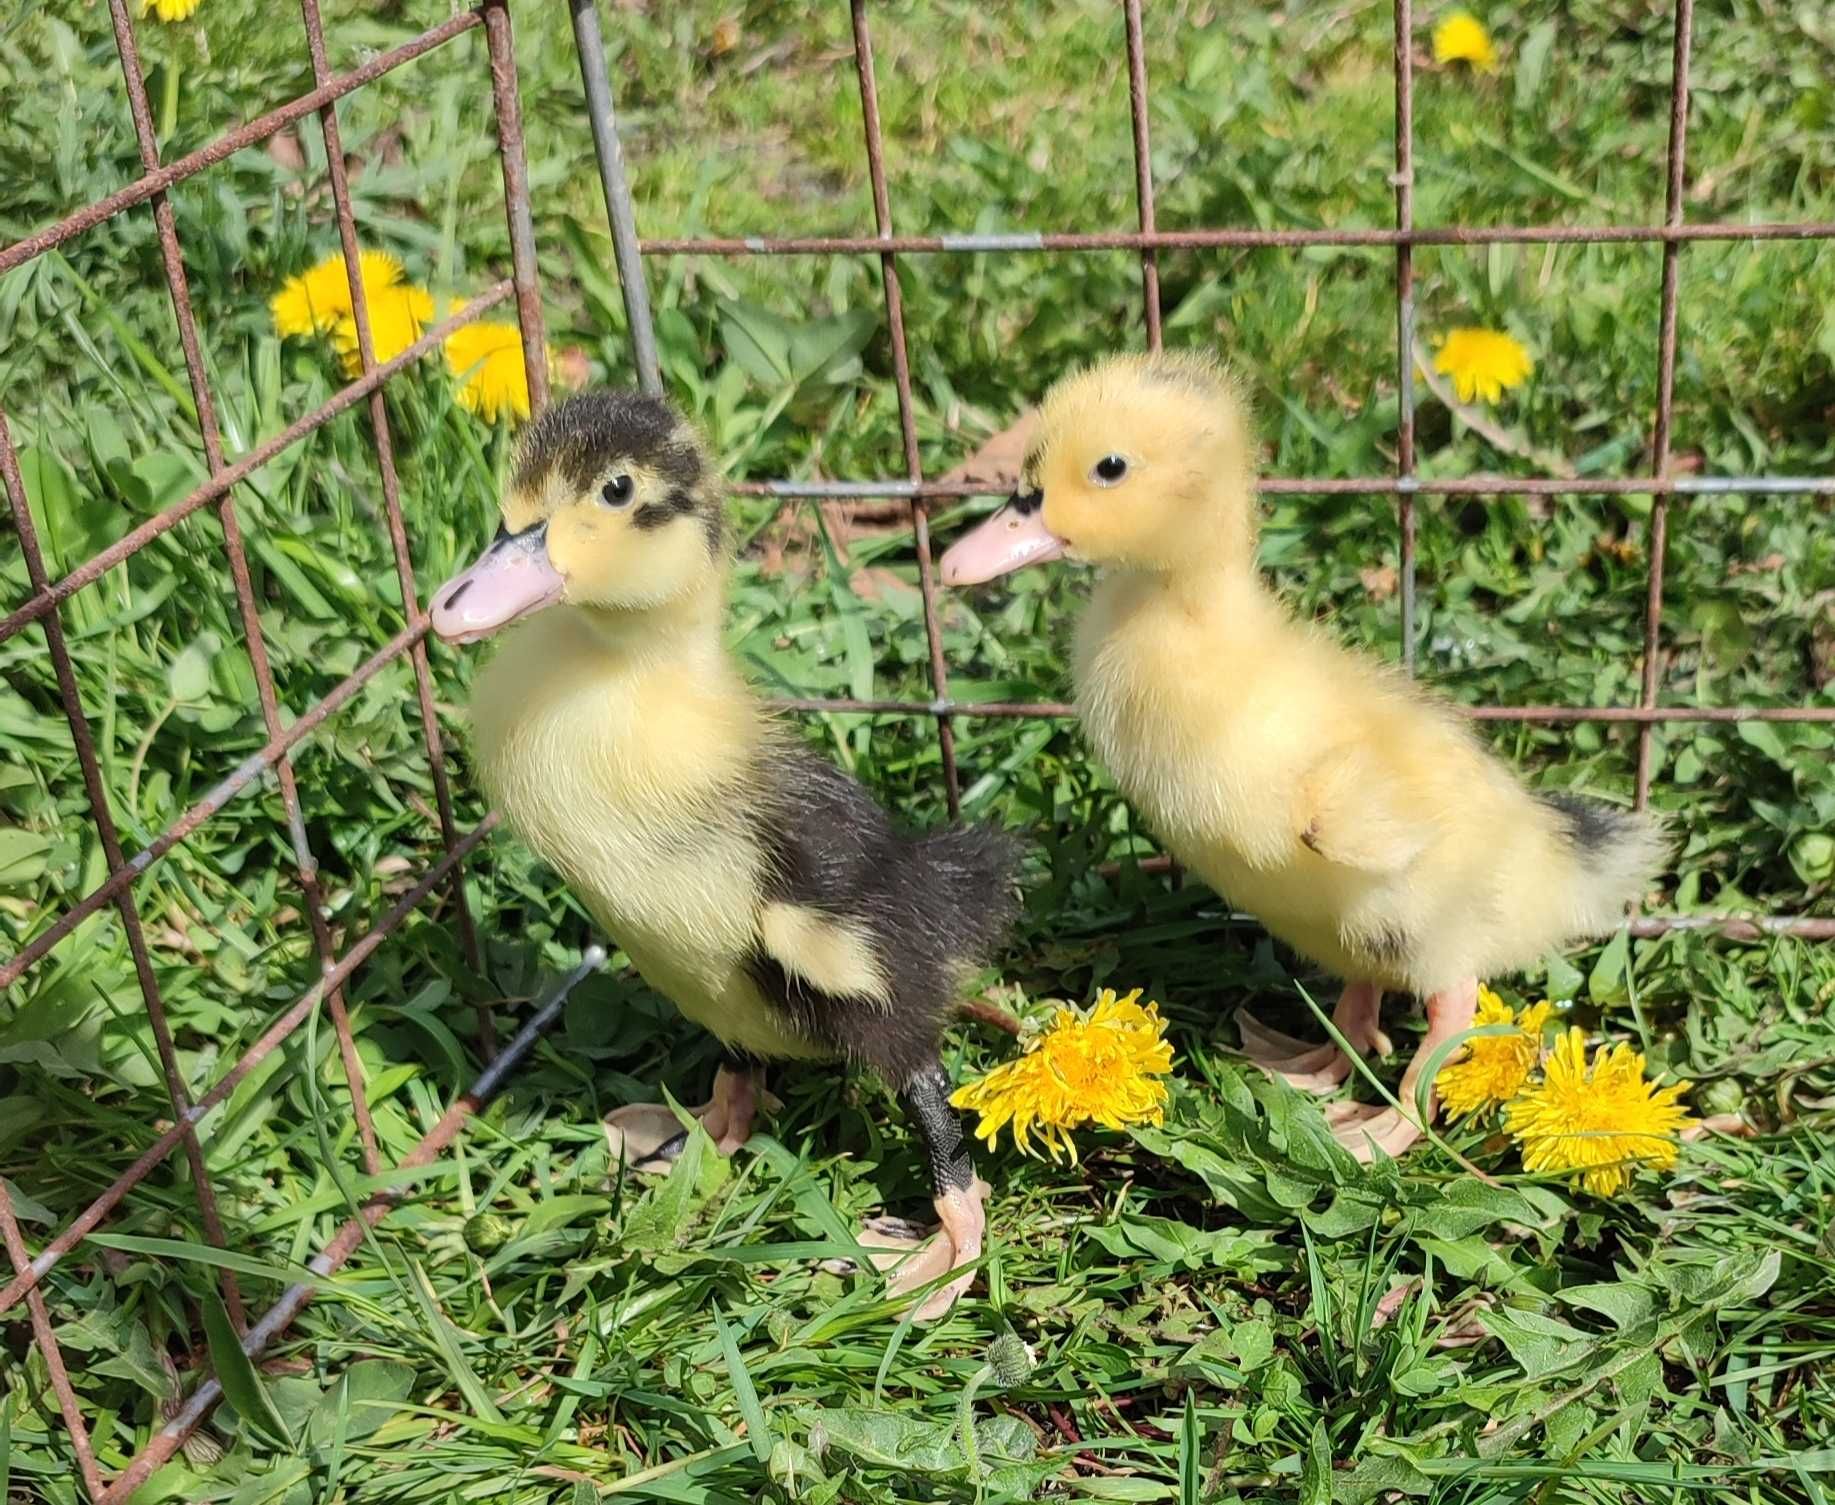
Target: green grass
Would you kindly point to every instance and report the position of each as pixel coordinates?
(1198, 1302)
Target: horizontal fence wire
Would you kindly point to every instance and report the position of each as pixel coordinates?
(284, 732)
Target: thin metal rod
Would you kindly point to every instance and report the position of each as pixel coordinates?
(304, 860)
(117, 863)
(1226, 238)
(46, 1337)
(620, 212)
(256, 130)
(270, 1039)
(345, 398)
(516, 198)
(1480, 485)
(907, 408)
(404, 565)
(1143, 167)
(346, 1241)
(1666, 386)
(1543, 714)
(1404, 317)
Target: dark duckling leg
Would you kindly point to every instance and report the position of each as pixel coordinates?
(1318, 1068)
(648, 1136)
(959, 1195)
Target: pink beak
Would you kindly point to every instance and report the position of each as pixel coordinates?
(1012, 538)
(510, 579)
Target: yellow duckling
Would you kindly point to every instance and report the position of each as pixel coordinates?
(1357, 818)
(758, 887)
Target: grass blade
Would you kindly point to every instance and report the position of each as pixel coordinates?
(242, 1387)
(754, 1414)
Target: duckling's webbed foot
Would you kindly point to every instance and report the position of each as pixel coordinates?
(1362, 1128)
(961, 1221)
(648, 1136)
(1318, 1068)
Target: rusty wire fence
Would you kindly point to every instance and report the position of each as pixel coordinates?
(40, 609)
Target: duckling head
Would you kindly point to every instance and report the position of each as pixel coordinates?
(613, 506)
(1140, 462)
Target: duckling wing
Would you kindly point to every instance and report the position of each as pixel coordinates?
(863, 932)
(1353, 812)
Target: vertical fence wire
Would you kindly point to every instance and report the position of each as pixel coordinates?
(1404, 319)
(620, 214)
(383, 438)
(1666, 392)
(1143, 167)
(67, 1405)
(248, 610)
(507, 100)
(907, 412)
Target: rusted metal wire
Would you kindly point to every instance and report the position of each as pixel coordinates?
(67, 1404)
(283, 736)
(269, 1041)
(1481, 485)
(41, 607)
(404, 564)
(508, 106)
(907, 409)
(1004, 241)
(256, 130)
(1143, 167)
(1666, 386)
(102, 816)
(178, 286)
(1404, 319)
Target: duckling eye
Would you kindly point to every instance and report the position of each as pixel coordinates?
(1108, 470)
(618, 491)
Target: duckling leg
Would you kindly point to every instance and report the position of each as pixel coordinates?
(1362, 1130)
(960, 1193)
(648, 1136)
(1319, 1068)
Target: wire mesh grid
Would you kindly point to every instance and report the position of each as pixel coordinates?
(41, 607)
(284, 735)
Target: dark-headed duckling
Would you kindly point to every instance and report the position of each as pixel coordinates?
(755, 885)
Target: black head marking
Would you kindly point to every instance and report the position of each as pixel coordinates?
(578, 438)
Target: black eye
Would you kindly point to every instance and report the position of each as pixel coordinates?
(618, 491)
(1110, 469)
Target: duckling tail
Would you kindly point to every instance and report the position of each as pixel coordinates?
(1611, 858)
(971, 895)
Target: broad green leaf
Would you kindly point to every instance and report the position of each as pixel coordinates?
(1539, 1344)
(1607, 983)
(1623, 1304)
(22, 856)
(1246, 1251)
(372, 1390)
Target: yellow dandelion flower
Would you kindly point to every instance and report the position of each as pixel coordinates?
(1094, 1068)
(1483, 363)
(1492, 1068)
(168, 10)
(398, 317)
(486, 361)
(1600, 1125)
(1462, 38)
(315, 300)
